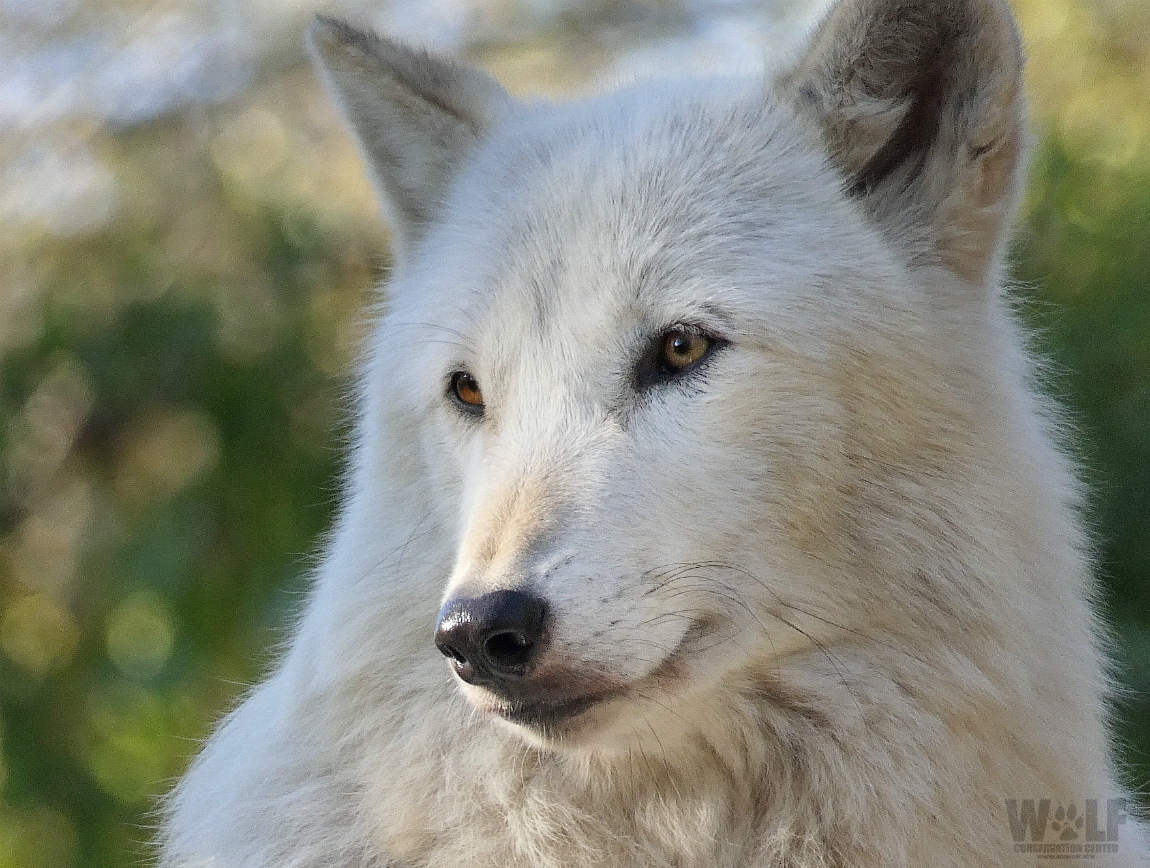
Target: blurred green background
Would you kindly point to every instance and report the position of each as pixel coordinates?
(186, 243)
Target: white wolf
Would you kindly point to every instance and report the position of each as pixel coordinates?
(698, 415)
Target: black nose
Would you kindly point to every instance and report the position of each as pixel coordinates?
(491, 638)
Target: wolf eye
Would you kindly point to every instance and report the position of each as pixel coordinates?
(677, 351)
(682, 349)
(465, 390)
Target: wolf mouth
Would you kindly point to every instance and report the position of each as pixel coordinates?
(547, 714)
(544, 715)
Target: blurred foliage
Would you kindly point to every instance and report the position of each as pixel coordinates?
(174, 347)
(1084, 258)
(172, 406)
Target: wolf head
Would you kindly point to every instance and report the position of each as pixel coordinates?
(698, 375)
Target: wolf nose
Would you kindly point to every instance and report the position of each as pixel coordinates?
(493, 637)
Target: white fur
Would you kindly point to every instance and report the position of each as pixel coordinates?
(836, 578)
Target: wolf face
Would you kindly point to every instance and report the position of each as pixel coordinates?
(628, 466)
(658, 344)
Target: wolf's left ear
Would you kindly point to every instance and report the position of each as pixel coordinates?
(416, 116)
(920, 104)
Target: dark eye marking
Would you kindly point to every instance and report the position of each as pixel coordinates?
(673, 354)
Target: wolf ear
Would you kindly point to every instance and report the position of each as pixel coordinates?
(416, 116)
(920, 105)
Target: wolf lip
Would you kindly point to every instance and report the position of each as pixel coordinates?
(544, 714)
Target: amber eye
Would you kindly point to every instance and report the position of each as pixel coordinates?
(682, 348)
(465, 390)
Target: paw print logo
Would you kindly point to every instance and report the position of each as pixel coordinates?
(1066, 821)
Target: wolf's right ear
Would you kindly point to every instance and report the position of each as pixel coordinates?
(920, 105)
(416, 116)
